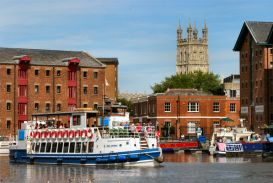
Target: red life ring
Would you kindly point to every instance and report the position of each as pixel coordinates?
(72, 134)
(34, 134)
(64, 133)
(89, 134)
(84, 133)
(38, 135)
(78, 133)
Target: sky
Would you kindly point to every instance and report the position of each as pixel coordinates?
(140, 33)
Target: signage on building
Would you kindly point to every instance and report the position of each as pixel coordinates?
(244, 110)
(259, 109)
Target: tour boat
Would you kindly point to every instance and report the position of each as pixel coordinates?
(81, 144)
(236, 140)
(5, 144)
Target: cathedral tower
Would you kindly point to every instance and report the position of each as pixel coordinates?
(192, 52)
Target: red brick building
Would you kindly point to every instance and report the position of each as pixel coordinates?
(38, 81)
(182, 111)
(111, 77)
(256, 77)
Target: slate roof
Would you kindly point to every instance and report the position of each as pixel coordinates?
(258, 30)
(48, 57)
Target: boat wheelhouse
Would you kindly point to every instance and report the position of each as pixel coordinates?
(41, 141)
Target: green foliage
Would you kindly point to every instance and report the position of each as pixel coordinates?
(128, 103)
(207, 82)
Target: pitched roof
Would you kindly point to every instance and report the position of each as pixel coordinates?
(48, 57)
(258, 30)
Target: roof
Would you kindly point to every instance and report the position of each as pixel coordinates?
(109, 60)
(48, 57)
(231, 78)
(258, 30)
(185, 92)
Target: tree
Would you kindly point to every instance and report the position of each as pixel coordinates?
(128, 103)
(207, 82)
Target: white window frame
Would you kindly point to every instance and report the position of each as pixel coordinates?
(167, 106)
(193, 106)
(232, 107)
(191, 127)
(216, 107)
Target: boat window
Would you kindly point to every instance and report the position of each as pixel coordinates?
(43, 145)
(66, 146)
(84, 147)
(54, 147)
(90, 147)
(48, 147)
(37, 147)
(76, 120)
(78, 147)
(72, 147)
(60, 147)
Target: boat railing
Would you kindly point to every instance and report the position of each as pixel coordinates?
(126, 132)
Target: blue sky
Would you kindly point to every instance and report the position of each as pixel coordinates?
(140, 33)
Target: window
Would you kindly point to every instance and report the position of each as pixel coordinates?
(36, 72)
(47, 72)
(8, 71)
(58, 73)
(95, 74)
(8, 124)
(36, 88)
(36, 107)
(216, 107)
(85, 90)
(72, 147)
(232, 107)
(232, 93)
(8, 88)
(84, 74)
(47, 89)
(59, 107)
(47, 109)
(48, 147)
(58, 89)
(84, 105)
(191, 127)
(95, 106)
(193, 107)
(167, 107)
(8, 106)
(95, 90)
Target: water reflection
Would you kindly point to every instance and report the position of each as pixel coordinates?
(205, 158)
(177, 167)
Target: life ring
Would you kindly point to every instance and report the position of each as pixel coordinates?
(72, 134)
(78, 133)
(38, 135)
(31, 134)
(89, 134)
(84, 133)
(64, 134)
(59, 134)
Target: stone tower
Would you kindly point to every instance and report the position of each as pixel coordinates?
(192, 52)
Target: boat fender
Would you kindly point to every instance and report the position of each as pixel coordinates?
(84, 133)
(65, 134)
(78, 133)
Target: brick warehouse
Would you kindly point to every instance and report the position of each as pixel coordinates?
(255, 46)
(38, 81)
(182, 111)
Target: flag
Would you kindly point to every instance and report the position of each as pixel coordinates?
(106, 82)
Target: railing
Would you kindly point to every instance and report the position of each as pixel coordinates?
(125, 132)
